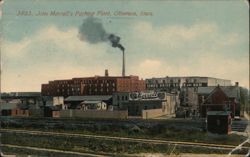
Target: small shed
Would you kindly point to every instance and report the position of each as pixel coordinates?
(74, 102)
(219, 122)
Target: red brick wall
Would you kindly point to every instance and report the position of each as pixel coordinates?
(55, 114)
(21, 113)
(93, 86)
(219, 97)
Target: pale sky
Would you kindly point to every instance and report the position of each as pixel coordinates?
(181, 38)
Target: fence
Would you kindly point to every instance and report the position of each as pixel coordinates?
(146, 114)
(94, 114)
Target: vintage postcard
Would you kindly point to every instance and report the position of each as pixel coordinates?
(124, 78)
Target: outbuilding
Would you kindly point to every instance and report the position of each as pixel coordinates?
(219, 122)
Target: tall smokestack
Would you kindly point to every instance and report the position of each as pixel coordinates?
(92, 31)
(106, 73)
(123, 64)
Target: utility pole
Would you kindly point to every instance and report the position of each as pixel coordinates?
(0, 89)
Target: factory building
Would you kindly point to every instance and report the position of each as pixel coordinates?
(97, 85)
(173, 84)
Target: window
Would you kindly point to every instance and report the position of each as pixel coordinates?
(195, 80)
(171, 81)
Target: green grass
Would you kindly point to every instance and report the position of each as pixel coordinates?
(158, 132)
(174, 130)
(92, 145)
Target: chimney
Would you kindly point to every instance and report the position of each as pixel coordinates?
(236, 84)
(106, 73)
(123, 64)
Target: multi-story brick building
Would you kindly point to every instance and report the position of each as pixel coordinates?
(97, 85)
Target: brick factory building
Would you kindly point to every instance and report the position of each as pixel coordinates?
(97, 85)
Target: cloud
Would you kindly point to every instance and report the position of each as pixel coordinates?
(173, 35)
(201, 49)
(51, 54)
(50, 41)
(148, 68)
(184, 39)
(209, 65)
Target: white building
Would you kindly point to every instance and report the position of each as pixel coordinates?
(173, 84)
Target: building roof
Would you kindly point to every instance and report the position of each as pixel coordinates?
(89, 98)
(21, 94)
(8, 106)
(50, 98)
(187, 77)
(91, 102)
(230, 91)
(213, 104)
(218, 113)
(205, 90)
(147, 100)
(54, 108)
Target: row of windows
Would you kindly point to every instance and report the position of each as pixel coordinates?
(187, 80)
(101, 90)
(122, 97)
(194, 84)
(72, 89)
(67, 85)
(164, 85)
(107, 84)
(164, 81)
(177, 85)
(97, 81)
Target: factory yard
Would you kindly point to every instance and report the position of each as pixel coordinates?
(114, 137)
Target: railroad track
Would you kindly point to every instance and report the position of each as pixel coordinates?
(142, 140)
(52, 150)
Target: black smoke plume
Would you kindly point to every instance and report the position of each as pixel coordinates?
(93, 32)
